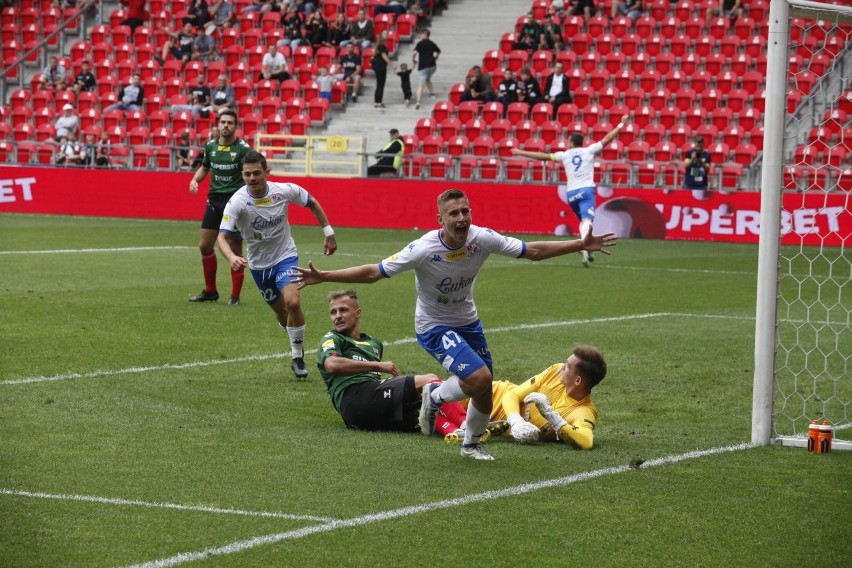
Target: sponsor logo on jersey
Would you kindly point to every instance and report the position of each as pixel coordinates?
(454, 256)
(226, 218)
(262, 202)
(392, 258)
(259, 223)
(327, 344)
(443, 300)
(447, 285)
(223, 148)
(387, 393)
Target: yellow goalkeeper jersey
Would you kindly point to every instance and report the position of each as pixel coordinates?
(581, 415)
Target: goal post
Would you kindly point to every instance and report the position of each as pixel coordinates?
(803, 317)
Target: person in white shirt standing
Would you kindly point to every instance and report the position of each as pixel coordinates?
(258, 210)
(580, 190)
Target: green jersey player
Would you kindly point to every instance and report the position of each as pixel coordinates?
(223, 157)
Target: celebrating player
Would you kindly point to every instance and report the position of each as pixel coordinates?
(579, 164)
(351, 365)
(446, 263)
(557, 401)
(222, 155)
(259, 212)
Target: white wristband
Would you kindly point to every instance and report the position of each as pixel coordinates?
(621, 125)
(328, 231)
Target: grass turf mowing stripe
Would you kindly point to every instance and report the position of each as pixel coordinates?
(176, 506)
(120, 249)
(196, 364)
(254, 542)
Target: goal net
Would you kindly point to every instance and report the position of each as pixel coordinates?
(803, 331)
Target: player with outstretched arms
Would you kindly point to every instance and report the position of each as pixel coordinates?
(222, 159)
(446, 263)
(579, 164)
(259, 212)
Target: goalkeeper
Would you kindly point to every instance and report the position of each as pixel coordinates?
(554, 405)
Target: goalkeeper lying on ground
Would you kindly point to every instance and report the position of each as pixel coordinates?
(556, 403)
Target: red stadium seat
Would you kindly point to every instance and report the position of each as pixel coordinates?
(744, 153)
(483, 146)
(499, 129)
(474, 128)
(458, 145)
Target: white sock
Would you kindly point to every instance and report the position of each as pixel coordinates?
(297, 340)
(585, 227)
(476, 424)
(449, 391)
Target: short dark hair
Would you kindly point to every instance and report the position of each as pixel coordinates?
(394, 131)
(576, 139)
(449, 195)
(351, 294)
(255, 157)
(592, 366)
(228, 112)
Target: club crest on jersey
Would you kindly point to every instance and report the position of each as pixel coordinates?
(472, 248)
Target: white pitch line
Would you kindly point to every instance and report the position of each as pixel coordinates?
(254, 542)
(176, 506)
(199, 364)
(86, 250)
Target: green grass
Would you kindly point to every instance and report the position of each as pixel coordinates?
(158, 400)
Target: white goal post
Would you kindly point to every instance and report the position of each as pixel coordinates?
(803, 329)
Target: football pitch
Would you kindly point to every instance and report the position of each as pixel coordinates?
(139, 429)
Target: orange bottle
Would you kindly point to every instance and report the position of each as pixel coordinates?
(826, 434)
(813, 436)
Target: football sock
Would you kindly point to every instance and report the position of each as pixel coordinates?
(450, 391)
(297, 339)
(208, 262)
(454, 411)
(476, 424)
(237, 277)
(444, 425)
(585, 225)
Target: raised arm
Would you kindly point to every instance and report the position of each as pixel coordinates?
(533, 155)
(542, 250)
(364, 274)
(612, 134)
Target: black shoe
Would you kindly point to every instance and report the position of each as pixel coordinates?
(234, 301)
(591, 257)
(298, 366)
(205, 296)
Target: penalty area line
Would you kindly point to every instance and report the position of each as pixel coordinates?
(403, 341)
(155, 505)
(264, 540)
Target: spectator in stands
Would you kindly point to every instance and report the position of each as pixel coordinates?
(731, 9)
(363, 32)
(204, 48)
(530, 37)
(556, 91)
(425, 56)
(339, 31)
(259, 6)
(551, 34)
(183, 154)
(630, 8)
(478, 86)
(197, 13)
(67, 123)
(199, 99)
(394, 7)
(223, 95)
(291, 21)
(324, 81)
(389, 157)
(273, 65)
(557, 7)
(585, 8)
(529, 90)
(507, 91)
(420, 14)
(380, 62)
(404, 75)
(131, 96)
(90, 150)
(54, 76)
(306, 7)
(317, 30)
(104, 150)
(180, 44)
(85, 80)
(352, 70)
(696, 164)
(223, 14)
(70, 151)
(136, 13)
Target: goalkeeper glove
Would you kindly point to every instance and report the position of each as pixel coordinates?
(546, 409)
(521, 430)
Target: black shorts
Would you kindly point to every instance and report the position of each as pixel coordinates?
(392, 405)
(214, 210)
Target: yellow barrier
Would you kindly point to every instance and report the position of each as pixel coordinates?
(312, 156)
